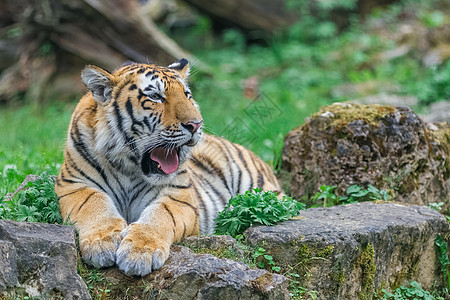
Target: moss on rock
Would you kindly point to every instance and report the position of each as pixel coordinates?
(389, 148)
(366, 262)
(344, 113)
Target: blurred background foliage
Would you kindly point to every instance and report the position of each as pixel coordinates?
(259, 67)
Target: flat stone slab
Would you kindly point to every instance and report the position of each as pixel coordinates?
(350, 251)
(39, 260)
(187, 275)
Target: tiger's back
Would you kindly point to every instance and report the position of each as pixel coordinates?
(139, 174)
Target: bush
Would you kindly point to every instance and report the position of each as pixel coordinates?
(255, 207)
(38, 203)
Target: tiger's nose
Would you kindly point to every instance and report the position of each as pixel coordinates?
(193, 126)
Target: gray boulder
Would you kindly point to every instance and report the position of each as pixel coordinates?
(350, 251)
(187, 275)
(8, 265)
(39, 260)
(388, 147)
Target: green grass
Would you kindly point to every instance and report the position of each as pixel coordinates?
(32, 141)
(413, 291)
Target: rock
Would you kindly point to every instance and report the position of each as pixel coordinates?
(212, 244)
(187, 275)
(350, 251)
(390, 148)
(8, 265)
(39, 260)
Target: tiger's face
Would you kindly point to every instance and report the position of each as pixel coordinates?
(150, 117)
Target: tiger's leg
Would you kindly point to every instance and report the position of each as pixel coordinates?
(96, 219)
(146, 243)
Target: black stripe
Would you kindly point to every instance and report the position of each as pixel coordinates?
(58, 182)
(71, 174)
(216, 170)
(84, 202)
(133, 87)
(260, 179)
(117, 93)
(184, 230)
(71, 193)
(129, 107)
(94, 164)
(257, 165)
(135, 196)
(66, 180)
(201, 202)
(130, 142)
(244, 162)
(225, 150)
(184, 202)
(142, 95)
(63, 178)
(173, 219)
(147, 123)
(72, 164)
(262, 166)
(211, 188)
(180, 186)
(123, 192)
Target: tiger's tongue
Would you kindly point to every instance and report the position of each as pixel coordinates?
(167, 159)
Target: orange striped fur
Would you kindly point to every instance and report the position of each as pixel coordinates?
(139, 174)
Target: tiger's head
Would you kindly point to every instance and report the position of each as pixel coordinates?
(149, 117)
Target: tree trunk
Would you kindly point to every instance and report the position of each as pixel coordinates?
(250, 15)
(54, 39)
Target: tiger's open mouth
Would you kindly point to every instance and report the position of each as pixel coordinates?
(160, 161)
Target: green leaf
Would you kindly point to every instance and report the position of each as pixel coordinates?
(372, 189)
(353, 189)
(255, 207)
(360, 194)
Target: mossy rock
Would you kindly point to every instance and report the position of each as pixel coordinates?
(351, 251)
(388, 147)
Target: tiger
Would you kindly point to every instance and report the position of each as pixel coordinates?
(139, 173)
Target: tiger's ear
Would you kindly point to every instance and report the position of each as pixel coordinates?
(181, 67)
(99, 82)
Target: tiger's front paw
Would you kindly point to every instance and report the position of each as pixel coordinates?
(99, 245)
(142, 250)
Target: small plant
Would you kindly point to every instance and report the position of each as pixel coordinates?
(436, 206)
(38, 203)
(414, 291)
(97, 283)
(255, 207)
(326, 193)
(267, 262)
(443, 258)
(296, 290)
(356, 193)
